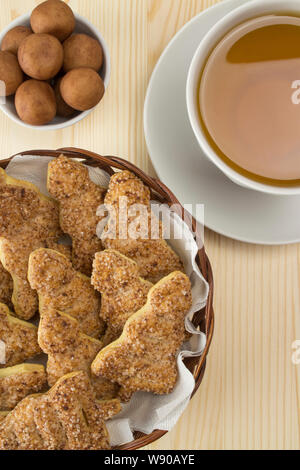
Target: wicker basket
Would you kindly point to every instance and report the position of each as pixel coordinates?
(203, 319)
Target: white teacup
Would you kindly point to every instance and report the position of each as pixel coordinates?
(246, 12)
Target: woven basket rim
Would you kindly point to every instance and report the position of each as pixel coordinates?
(204, 318)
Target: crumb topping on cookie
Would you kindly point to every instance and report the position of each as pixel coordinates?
(144, 357)
(6, 286)
(19, 381)
(79, 198)
(60, 287)
(123, 291)
(68, 417)
(27, 220)
(149, 250)
(19, 337)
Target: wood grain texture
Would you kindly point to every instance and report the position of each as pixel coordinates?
(249, 398)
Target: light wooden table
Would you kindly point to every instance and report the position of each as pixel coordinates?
(249, 398)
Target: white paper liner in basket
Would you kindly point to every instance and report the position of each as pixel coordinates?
(145, 412)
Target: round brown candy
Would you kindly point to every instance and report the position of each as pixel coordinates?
(11, 75)
(53, 17)
(13, 38)
(41, 56)
(82, 88)
(35, 102)
(63, 109)
(81, 50)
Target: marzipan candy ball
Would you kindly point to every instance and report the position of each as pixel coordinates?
(35, 102)
(41, 56)
(11, 75)
(82, 88)
(53, 17)
(12, 40)
(81, 50)
(63, 109)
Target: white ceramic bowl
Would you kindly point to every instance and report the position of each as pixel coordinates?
(249, 10)
(82, 26)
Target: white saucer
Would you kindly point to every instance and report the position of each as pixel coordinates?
(230, 210)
